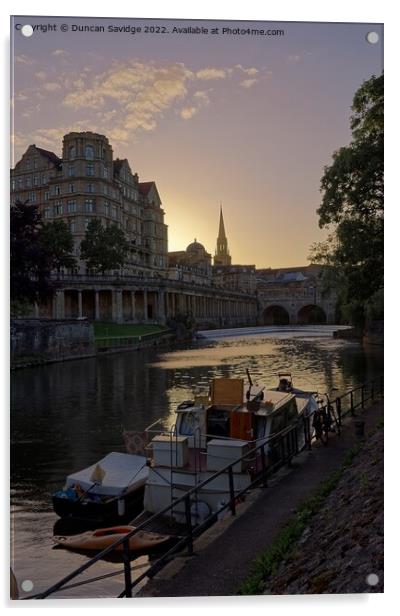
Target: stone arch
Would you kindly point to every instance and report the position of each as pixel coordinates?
(311, 315)
(275, 315)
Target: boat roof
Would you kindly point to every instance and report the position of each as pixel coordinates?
(120, 471)
(273, 401)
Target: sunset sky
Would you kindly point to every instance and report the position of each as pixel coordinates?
(249, 121)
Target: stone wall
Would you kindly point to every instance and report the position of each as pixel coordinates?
(43, 340)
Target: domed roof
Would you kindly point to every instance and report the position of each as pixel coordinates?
(195, 247)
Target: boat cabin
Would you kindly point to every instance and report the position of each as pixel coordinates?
(230, 414)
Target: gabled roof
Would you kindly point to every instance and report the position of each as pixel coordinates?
(119, 163)
(50, 155)
(144, 188)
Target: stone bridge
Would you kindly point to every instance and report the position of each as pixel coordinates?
(309, 310)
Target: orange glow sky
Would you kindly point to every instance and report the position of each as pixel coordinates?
(247, 121)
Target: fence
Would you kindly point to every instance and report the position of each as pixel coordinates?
(117, 342)
(271, 455)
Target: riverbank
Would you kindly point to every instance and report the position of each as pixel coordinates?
(225, 556)
(36, 342)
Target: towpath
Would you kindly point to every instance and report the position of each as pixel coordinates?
(224, 554)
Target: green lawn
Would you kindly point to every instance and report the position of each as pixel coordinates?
(112, 330)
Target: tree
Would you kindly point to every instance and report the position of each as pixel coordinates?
(36, 249)
(104, 248)
(57, 243)
(352, 209)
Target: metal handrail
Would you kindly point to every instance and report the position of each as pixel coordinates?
(290, 434)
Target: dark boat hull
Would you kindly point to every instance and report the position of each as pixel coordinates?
(99, 512)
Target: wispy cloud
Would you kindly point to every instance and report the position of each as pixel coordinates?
(23, 59)
(125, 98)
(248, 83)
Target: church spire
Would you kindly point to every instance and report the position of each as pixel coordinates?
(222, 256)
(221, 233)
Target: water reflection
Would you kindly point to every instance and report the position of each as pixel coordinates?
(65, 416)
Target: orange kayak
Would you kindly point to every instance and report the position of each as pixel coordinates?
(104, 537)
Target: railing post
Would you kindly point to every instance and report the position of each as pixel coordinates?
(362, 396)
(231, 491)
(127, 569)
(352, 404)
(307, 432)
(263, 467)
(188, 517)
(339, 414)
(288, 438)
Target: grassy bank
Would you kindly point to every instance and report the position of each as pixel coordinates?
(268, 563)
(119, 330)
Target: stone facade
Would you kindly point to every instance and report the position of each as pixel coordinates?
(190, 265)
(47, 340)
(235, 277)
(86, 183)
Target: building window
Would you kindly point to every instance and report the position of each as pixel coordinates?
(87, 221)
(89, 205)
(36, 180)
(28, 181)
(46, 195)
(90, 169)
(13, 184)
(44, 179)
(107, 208)
(71, 171)
(58, 208)
(71, 206)
(105, 172)
(32, 197)
(72, 225)
(89, 188)
(19, 183)
(71, 152)
(71, 188)
(114, 213)
(57, 190)
(89, 152)
(47, 212)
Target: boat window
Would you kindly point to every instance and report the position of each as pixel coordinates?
(260, 426)
(278, 422)
(218, 423)
(291, 412)
(189, 423)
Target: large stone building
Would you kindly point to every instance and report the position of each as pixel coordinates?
(85, 183)
(190, 265)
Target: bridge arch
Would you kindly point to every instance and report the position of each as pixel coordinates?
(311, 314)
(275, 315)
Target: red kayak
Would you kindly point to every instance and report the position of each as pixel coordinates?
(104, 537)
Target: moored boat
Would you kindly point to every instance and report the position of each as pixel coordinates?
(214, 430)
(111, 489)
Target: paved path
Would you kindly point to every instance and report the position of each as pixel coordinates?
(222, 559)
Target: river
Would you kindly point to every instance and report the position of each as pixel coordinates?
(65, 416)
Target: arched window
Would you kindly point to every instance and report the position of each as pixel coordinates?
(89, 152)
(71, 151)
